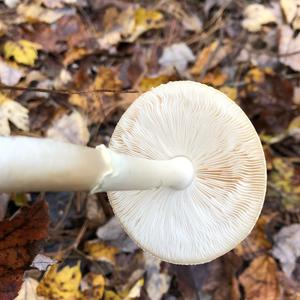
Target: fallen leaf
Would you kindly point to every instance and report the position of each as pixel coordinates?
(3, 28)
(20, 241)
(135, 291)
(74, 54)
(148, 83)
(229, 91)
(61, 284)
(291, 288)
(94, 211)
(21, 199)
(286, 179)
(287, 247)
(28, 290)
(14, 112)
(294, 128)
(129, 25)
(42, 262)
(257, 15)
(177, 56)
(92, 286)
(260, 279)
(289, 48)
(111, 295)
(10, 74)
(23, 51)
(157, 283)
(210, 56)
(98, 106)
(70, 128)
(113, 234)
(100, 251)
(257, 242)
(215, 78)
(36, 13)
(291, 9)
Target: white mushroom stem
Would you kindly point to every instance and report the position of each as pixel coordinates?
(31, 164)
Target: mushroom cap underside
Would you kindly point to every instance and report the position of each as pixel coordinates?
(222, 204)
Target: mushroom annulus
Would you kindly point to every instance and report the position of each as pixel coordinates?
(185, 171)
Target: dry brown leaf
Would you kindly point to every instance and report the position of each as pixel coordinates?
(257, 15)
(210, 57)
(74, 54)
(289, 48)
(20, 241)
(70, 128)
(148, 83)
(260, 279)
(98, 106)
(256, 243)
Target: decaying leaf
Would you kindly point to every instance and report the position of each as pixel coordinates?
(291, 9)
(289, 48)
(177, 56)
(20, 240)
(100, 251)
(113, 234)
(210, 57)
(42, 262)
(23, 51)
(135, 291)
(260, 279)
(70, 128)
(157, 283)
(287, 247)
(61, 284)
(257, 15)
(28, 290)
(92, 286)
(256, 243)
(14, 112)
(111, 295)
(285, 177)
(34, 13)
(10, 74)
(99, 105)
(129, 25)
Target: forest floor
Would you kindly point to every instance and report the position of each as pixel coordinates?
(66, 68)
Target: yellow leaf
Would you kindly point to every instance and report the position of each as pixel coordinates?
(260, 279)
(110, 295)
(215, 78)
(148, 83)
(100, 251)
(135, 291)
(11, 111)
(229, 91)
(257, 15)
(61, 285)
(95, 286)
(23, 51)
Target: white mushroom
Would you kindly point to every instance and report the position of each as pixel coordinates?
(185, 171)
